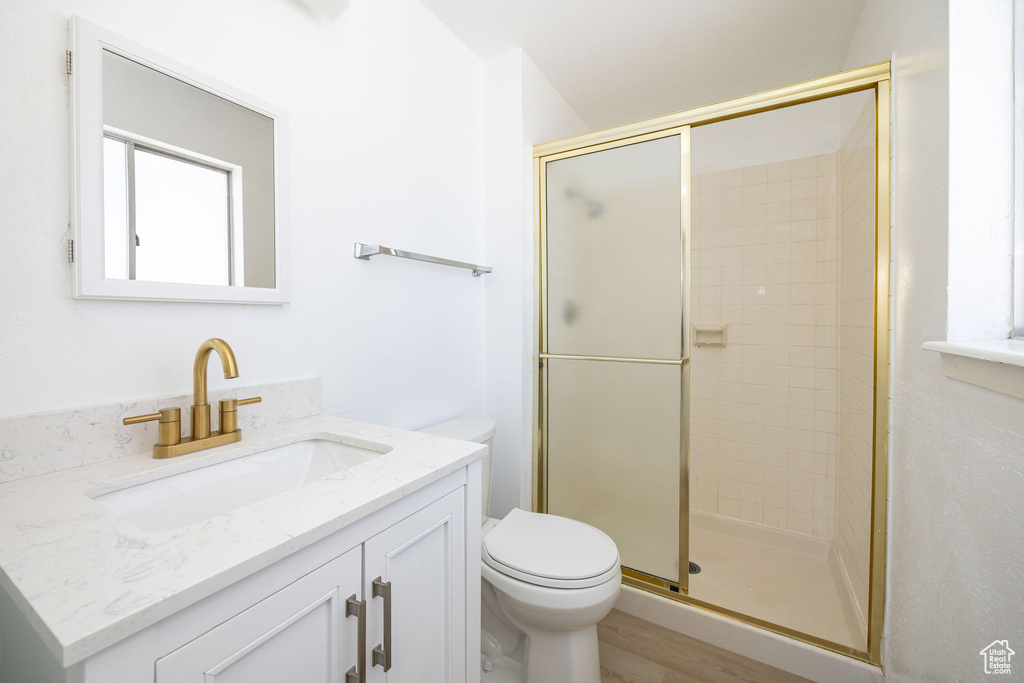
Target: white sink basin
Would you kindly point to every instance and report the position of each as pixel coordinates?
(181, 499)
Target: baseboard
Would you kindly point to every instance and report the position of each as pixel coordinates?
(793, 656)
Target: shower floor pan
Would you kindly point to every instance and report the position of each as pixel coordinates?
(784, 578)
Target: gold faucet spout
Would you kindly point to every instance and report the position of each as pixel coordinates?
(227, 359)
(200, 405)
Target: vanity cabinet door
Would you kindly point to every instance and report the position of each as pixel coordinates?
(299, 633)
(423, 559)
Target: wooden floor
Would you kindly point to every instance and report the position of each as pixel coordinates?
(637, 651)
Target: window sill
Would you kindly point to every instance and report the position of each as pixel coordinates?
(996, 364)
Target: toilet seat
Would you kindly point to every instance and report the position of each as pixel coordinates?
(551, 551)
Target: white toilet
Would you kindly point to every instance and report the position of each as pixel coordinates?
(548, 580)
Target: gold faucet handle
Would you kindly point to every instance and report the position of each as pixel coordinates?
(229, 412)
(170, 424)
(139, 419)
(165, 415)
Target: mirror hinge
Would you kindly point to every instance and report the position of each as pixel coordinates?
(67, 62)
(71, 251)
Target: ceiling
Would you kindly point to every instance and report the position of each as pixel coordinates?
(616, 61)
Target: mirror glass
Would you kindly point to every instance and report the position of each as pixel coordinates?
(188, 182)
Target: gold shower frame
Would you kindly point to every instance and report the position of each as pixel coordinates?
(875, 78)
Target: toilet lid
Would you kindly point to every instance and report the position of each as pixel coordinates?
(550, 547)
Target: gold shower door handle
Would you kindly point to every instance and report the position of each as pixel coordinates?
(357, 608)
(382, 654)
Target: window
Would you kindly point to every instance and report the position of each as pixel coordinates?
(149, 233)
(985, 287)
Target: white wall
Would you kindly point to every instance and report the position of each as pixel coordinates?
(956, 469)
(521, 109)
(386, 111)
(504, 357)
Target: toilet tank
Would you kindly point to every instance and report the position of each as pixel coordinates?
(476, 430)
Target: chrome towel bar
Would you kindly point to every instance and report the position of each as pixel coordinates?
(365, 251)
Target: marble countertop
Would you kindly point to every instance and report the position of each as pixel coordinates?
(87, 579)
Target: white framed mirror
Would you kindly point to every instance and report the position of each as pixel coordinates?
(178, 181)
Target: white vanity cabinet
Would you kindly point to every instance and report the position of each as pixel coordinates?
(300, 633)
(309, 631)
(314, 615)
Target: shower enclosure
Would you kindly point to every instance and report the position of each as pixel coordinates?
(713, 352)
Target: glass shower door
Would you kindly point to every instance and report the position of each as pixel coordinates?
(760, 453)
(614, 258)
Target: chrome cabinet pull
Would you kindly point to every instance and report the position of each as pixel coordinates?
(382, 655)
(357, 608)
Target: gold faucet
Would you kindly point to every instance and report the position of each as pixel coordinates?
(170, 442)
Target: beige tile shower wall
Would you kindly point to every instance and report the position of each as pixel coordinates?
(763, 408)
(856, 353)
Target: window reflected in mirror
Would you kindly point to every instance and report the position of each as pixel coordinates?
(188, 182)
(150, 234)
